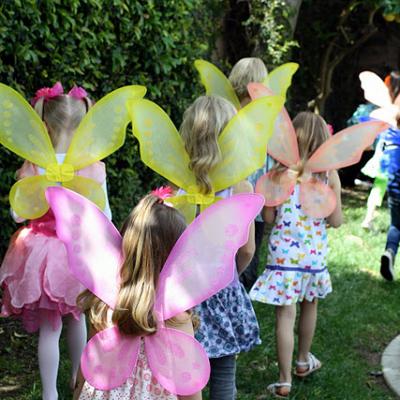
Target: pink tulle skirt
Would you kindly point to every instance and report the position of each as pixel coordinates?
(35, 277)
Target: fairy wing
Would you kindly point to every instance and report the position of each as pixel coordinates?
(387, 114)
(280, 79)
(202, 261)
(375, 90)
(102, 130)
(161, 147)
(215, 82)
(345, 147)
(93, 243)
(276, 188)
(109, 358)
(244, 140)
(283, 145)
(21, 129)
(178, 361)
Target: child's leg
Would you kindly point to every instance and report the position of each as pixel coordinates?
(49, 356)
(76, 339)
(307, 323)
(223, 378)
(285, 320)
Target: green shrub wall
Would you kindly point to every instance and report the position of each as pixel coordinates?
(102, 45)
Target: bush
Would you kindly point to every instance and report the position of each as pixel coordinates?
(102, 45)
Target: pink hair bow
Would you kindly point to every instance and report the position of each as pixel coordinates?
(163, 192)
(57, 90)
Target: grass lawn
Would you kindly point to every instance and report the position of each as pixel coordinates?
(355, 324)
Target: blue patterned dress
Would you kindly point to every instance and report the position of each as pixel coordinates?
(228, 323)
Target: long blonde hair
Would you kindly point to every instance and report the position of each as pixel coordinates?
(202, 124)
(311, 131)
(149, 234)
(246, 70)
(62, 114)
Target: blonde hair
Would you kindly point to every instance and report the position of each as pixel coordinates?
(202, 124)
(149, 234)
(62, 114)
(246, 70)
(311, 131)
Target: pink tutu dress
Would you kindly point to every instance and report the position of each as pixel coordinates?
(34, 274)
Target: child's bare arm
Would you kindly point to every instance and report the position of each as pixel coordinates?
(80, 380)
(246, 252)
(183, 322)
(336, 218)
(268, 214)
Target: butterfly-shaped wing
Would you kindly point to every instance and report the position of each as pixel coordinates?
(375, 90)
(317, 199)
(202, 261)
(93, 243)
(387, 114)
(345, 147)
(109, 358)
(280, 79)
(88, 188)
(215, 82)
(102, 130)
(244, 140)
(161, 147)
(21, 129)
(283, 144)
(178, 361)
(276, 187)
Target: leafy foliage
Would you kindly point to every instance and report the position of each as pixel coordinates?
(102, 45)
(270, 31)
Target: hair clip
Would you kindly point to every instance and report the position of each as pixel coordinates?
(163, 192)
(57, 90)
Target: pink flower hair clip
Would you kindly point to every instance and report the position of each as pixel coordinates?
(57, 90)
(163, 192)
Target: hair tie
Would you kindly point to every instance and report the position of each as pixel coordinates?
(163, 192)
(47, 93)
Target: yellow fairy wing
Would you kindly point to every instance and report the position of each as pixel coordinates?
(280, 79)
(243, 142)
(88, 188)
(161, 147)
(21, 129)
(102, 130)
(27, 196)
(215, 82)
(188, 210)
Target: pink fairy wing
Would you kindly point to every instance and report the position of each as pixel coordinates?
(276, 188)
(346, 147)
(375, 89)
(109, 358)
(317, 199)
(202, 261)
(178, 361)
(283, 144)
(93, 243)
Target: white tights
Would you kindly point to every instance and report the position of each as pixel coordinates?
(49, 353)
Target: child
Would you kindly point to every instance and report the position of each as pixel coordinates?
(246, 70)
(228, 324)
(35, 277)
(149, 234)
(296, 270)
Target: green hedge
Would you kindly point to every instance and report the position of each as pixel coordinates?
(102, 45)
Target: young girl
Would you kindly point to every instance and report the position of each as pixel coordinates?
(37, 284)
(246, 70)
(391, 163)
(296, 270)
(228, 324)
(149, 234)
